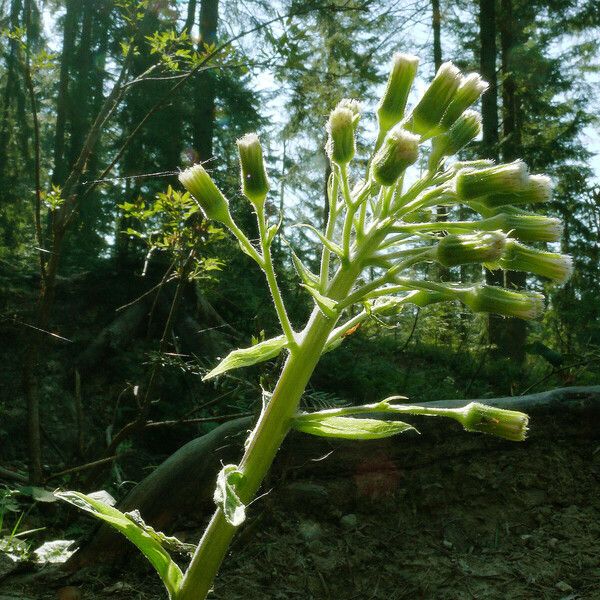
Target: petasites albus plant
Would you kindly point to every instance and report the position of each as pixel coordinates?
(381, 223)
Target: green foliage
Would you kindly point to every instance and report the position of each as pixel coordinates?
(150, 543)
(226, 496)
(246, 357)
(349, 428)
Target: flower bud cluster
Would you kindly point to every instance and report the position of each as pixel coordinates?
(517, 257)
(464, 130)
(524, 226)
(448, 96)
(480, 247)
(341, 127)
(201, 186)
(255, 184)
(390, 109)
(399, 150)
(497, 300)
(469, 91)
(508, 179)
(508, 424)
(428, 113)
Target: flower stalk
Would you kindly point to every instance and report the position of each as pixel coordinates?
(376, 235)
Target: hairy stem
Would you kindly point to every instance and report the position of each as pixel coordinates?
(271, 429)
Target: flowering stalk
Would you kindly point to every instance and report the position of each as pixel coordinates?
(378, 226)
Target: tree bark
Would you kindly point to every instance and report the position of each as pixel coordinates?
(490, 138)
(63, 99)
(205, 92)
(515, 330)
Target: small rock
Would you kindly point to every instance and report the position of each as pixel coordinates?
(304, 491)
(119, 586)
(7, 565)
(349, 521)
(563, 586)
(69, 592)
(552, 542)
(310, 530)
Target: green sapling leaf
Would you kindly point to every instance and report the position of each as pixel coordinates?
(335, 248)
(307, 276)
(349, 428)
(148, 544)
(246, 357)
(326, 305)
(226, 496)
(168, 542)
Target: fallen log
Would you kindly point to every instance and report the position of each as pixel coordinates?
(184, 483)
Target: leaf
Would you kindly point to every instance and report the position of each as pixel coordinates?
(54, 551)
(150, 547)
(349, 428)
(325, 304)
(308, 277)
(168, 542)
(327, 243)
(39, 494)
(246, 357)
(226, 495)
(272, 232)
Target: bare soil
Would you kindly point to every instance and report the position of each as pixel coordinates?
(452, 517)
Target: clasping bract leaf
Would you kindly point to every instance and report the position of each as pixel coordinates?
(326, 305)
(148, 544)
(246, 357)
(226, 496)
(349, 428)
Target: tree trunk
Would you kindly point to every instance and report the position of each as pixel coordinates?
(205, 92)
(490, 140)
(9, 89)
(63, 99)
(515, 330)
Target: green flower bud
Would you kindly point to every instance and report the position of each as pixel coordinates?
(506, 179)
(428, 113)
(390, 109)
(466, 128)
(200, 185)
(507, 424)
(255, 184)
(482, 163)
(480, 247)
(399, 150)
(342, 123)
(491, 299)
(517, 257)
(470, 89)
(538, 189)
(524, 226)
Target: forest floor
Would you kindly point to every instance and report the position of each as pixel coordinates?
(467, 519)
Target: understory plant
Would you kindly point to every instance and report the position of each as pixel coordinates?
(381, 232)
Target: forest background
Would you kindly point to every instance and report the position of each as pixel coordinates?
(116, 296)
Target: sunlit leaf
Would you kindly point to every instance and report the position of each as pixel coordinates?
(246, 357)
(226, 495)
(148, 544)
(349, 428)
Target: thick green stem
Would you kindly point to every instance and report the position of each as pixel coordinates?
(266, 438)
